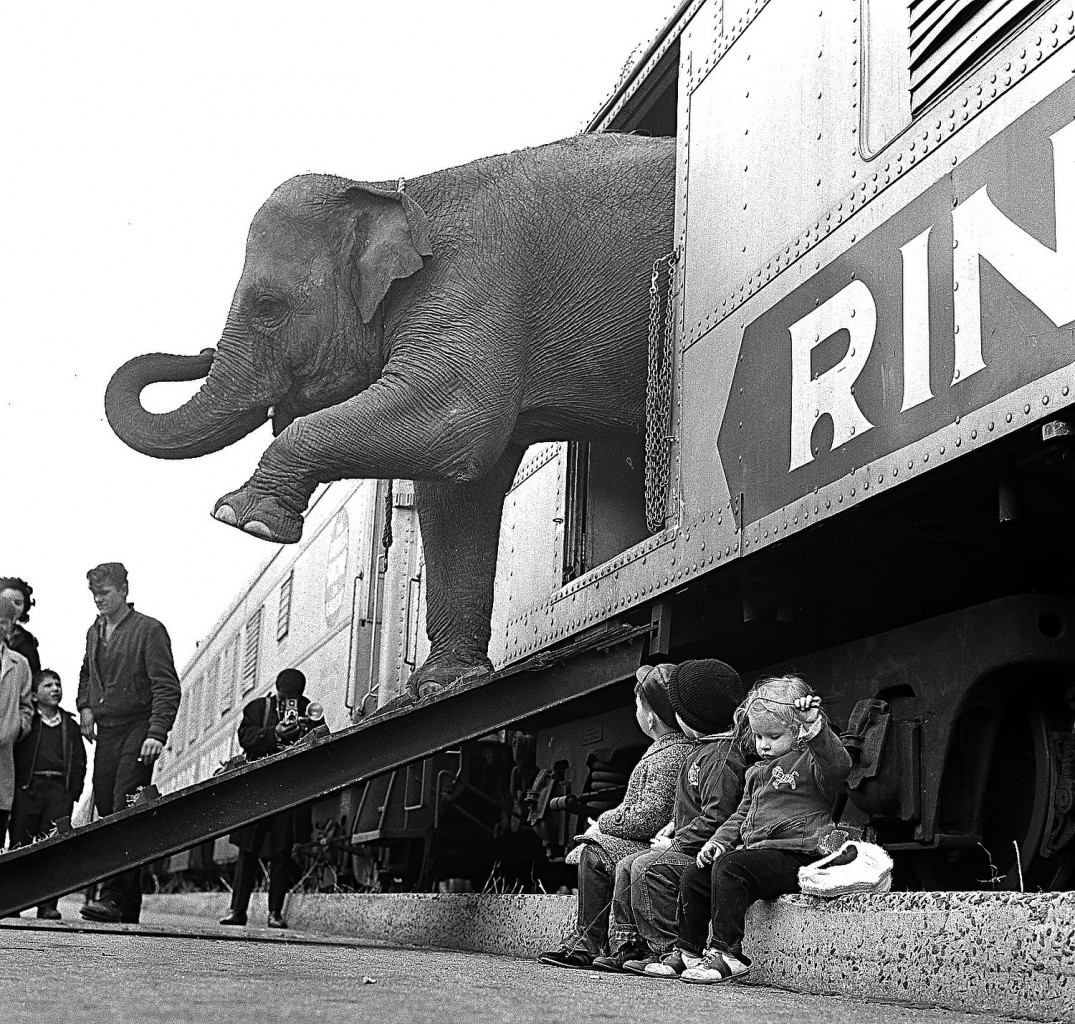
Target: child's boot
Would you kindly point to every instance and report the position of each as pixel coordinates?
(614, 961)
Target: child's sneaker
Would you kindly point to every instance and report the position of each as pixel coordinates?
(715, 968)
(671, 965)
(639, 966)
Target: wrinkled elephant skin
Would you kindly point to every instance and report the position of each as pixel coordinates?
(428, 334)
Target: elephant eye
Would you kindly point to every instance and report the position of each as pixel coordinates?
(270, 310)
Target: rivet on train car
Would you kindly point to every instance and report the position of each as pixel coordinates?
(959, 442)
(1044, 399)
(895, 470)
(852, 492)
(865, 485)
(925, 457)
(828, 503)
(990, 424)
(942, 449)
(1065, 390)
(852, 428)
(1008, 418)
(974, 435)
(1026, 409)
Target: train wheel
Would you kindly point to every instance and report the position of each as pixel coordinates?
(1022, 790)
(1020, 732)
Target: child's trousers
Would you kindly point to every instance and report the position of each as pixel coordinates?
(644, 901)
(734, 881)
(590, 932)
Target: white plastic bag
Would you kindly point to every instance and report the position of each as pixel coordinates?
(855, 867)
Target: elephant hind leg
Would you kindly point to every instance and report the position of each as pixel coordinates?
(460, 535)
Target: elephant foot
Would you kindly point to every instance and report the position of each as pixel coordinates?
(437, 675)
(265, 516)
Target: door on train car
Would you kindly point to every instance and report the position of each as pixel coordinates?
(606, 503)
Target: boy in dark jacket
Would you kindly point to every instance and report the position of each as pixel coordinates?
(50, 769)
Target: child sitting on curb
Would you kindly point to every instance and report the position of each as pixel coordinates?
(704, 695)
(756, 854)
(627, 828)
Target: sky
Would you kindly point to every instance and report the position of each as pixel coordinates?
(138, 141)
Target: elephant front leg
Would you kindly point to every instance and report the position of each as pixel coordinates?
(376, 435)
(460, 535)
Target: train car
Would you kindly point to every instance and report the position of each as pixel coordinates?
(857, 462)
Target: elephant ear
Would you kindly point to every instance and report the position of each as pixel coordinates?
(391, 239)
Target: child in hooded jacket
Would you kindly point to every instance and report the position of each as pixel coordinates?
(627, 828)
(756, 854)
(704, 695)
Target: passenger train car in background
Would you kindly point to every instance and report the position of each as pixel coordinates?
(859, 463)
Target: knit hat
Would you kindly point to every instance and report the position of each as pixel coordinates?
(705, 694)
(653, 685)
(290, 683)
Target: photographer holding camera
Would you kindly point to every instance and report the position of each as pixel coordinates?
(270, 724)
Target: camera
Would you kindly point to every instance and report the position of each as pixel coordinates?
(294, 726)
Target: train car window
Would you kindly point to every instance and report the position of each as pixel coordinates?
(179, 730)
(949, 38)
(228, 660)
(414, 604)
(283, 615)
(251, 651)
(197, 701)
(213, 695)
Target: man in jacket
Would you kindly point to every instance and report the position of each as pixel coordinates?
(50, 769)
(128, 697)
(270, 724)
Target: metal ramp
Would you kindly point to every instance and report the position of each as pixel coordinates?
(390, 739)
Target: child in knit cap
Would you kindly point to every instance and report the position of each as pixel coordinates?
(756, 854)
(628, 828)
(704, 695)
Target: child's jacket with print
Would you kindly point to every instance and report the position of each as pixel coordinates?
(787, 800)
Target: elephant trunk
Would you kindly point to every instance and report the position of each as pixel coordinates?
(212, 419)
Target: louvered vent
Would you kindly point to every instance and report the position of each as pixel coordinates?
(250, 654)
(950, 37)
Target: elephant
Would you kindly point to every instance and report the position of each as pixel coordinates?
(428, 330)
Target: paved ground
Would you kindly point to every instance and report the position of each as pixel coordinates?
(130, 974)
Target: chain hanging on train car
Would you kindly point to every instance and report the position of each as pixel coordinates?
(659, 390)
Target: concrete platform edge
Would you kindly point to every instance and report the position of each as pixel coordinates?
(1011, 954)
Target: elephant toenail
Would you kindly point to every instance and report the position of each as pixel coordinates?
(258, 529)
(226, 514)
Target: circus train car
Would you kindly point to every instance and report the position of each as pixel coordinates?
(857, 463)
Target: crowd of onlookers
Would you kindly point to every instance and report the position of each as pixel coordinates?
(127, 701)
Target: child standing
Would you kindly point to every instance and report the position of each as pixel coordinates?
(625, 829)
(784, 811)
(704, 695)
(50, 769)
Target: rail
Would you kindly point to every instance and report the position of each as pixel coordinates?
(395, 737)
